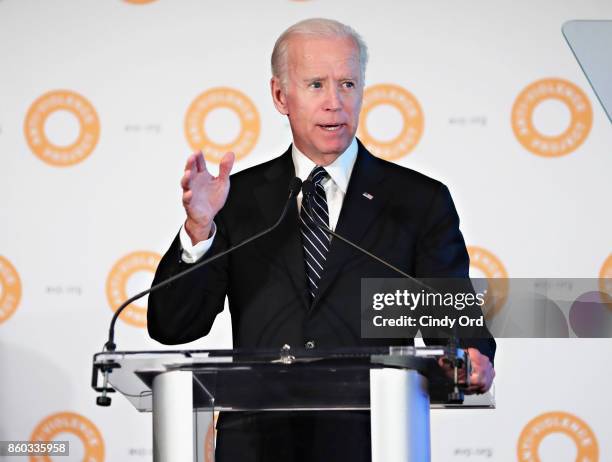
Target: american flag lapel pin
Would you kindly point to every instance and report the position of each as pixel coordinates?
(367, 195)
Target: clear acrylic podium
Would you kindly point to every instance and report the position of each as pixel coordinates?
(183, 389)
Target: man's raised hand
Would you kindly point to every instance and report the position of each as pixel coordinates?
(203, 194)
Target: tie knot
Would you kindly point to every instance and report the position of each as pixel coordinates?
(318, 174)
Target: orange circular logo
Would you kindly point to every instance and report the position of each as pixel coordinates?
(605, 281)
(70, 422)
(412, 120)
(139, 2)
(557, 422)
(78, 106)
(497, 279)
(117, 281)
(10, 289)
(222, 98)
(552, 89)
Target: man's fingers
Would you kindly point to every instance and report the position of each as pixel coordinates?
(200, 162)
(193, 163)
(187, 198)
(475, 390)
(189, 163)
(225, 167)
(476, 379)
(476, 386)
(481, 381)
(186, 179)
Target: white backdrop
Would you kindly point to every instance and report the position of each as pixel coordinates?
(95, 127)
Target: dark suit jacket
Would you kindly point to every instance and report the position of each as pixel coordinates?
(410, 221)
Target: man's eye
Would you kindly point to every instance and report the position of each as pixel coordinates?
(349, 84)
(315, 85)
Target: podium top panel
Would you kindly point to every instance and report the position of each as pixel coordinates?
(285, 379)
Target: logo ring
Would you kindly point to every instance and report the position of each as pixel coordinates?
(557, 422)
(412, 120)
(217, 98)
(70, 422)
(11, 289)
(89, 128)
(116, 284)
(559, 90)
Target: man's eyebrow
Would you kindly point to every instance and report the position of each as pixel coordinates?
(315, 79)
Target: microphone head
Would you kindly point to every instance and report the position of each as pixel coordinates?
(307, 188)
(294, 186)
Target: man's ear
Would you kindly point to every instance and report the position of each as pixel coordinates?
(278, 96)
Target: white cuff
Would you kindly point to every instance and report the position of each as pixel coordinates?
(192, 253)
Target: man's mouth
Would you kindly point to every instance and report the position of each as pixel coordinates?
(331, 127)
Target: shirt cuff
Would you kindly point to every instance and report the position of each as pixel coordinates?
(192, 253)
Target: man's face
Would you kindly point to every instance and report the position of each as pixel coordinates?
(323, 94)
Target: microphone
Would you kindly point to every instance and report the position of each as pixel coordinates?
(454, 358)
(294, 190)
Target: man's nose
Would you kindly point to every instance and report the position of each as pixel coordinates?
(333, 100)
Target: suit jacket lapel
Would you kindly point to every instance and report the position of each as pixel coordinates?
(271, 196)
(356, 216)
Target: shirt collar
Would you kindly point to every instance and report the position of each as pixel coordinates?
(339, 170)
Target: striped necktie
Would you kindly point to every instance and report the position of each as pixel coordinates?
(315, 241)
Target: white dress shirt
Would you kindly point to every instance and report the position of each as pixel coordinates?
(335, 189)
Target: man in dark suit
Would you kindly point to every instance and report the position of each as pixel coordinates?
(293, 286)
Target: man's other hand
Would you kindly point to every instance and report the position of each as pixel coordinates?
(482, 374)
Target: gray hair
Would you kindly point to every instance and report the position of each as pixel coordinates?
(315, 27)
